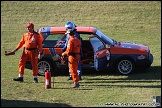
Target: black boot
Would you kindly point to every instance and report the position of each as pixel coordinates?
(70, 78)
(80, 78)
(20, 79)
(75, 85)
(35, 80)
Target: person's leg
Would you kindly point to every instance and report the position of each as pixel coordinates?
(73, 65)
(33, 56)
(73, 71)
(21, 66)
(70, 76)
(79, 70)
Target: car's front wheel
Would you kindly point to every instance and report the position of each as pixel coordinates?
(125, 66)
(43, 66)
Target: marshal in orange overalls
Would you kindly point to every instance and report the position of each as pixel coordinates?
(31, 42)
(72, 51)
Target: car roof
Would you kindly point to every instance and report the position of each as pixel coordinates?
(62, 29)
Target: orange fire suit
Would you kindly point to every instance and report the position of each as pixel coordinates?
(72, 51)
(32, 44)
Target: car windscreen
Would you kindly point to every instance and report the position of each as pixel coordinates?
(105, 38)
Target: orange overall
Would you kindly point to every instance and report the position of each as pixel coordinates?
(73, 47)
(31, 42)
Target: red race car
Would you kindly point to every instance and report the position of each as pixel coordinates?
(99, 52)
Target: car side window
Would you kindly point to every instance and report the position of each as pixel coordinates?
(54, 37)
(61, 41)
(97, 44)
(84, 36)
(51, 40)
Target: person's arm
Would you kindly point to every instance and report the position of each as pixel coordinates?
(7, 53)
(64, 48)
(69, 48)
(40, 48)
(20, 44)
(78, 36)
(40, 44)
(15, 50)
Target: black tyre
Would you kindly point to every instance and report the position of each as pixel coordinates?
(125, 67)
(44, 65)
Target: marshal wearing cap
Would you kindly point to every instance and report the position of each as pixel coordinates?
(30, 25)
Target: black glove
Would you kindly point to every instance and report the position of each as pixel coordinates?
(7, 53)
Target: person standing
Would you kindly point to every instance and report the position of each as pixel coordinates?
(76, 34)
(32, 43)
(73, 53)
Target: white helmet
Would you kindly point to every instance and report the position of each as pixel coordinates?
(70, 25)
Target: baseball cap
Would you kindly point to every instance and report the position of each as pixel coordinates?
(30, 25)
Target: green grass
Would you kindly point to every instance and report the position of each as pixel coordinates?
(131, 21)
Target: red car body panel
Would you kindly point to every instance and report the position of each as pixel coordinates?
(129, 48)
(62, 30)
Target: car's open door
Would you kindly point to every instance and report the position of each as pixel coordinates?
(101, 53)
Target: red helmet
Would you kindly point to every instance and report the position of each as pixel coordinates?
(30, 25)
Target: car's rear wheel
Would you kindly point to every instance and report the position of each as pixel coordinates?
(43, 66)
(125, 66)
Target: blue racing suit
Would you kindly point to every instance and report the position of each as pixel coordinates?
(79, 70)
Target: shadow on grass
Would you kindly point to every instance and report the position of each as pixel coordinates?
(22, 103)
(149, 76)
(152, 73)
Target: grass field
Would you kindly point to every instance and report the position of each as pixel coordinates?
(130, 21)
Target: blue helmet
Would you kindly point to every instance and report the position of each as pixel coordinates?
(70, 25)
